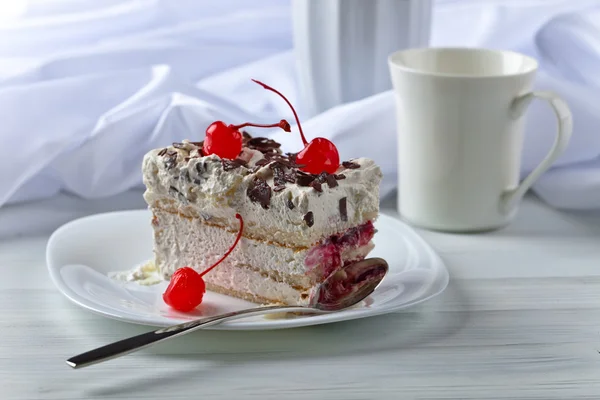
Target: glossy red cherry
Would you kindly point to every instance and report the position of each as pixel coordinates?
(186, 288)
(185, 291)
(226, 140)
(320, 155)
(222, 140)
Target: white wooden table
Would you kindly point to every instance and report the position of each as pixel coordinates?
(519, 320)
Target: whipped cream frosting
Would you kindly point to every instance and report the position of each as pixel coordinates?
(295, 215)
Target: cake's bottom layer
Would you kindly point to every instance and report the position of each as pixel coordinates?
(255, 270)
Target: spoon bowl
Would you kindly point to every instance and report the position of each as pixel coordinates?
(348, 286)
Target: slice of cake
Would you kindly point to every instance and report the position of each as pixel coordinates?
(299, 227)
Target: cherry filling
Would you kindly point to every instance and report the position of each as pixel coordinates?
(344, 282)
(324, 259)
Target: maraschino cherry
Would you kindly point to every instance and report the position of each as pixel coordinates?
(320, 155)
(186, 288)
(226, 140)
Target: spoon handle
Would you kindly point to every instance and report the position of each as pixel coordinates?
(134, 343)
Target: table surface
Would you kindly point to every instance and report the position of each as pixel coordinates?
(520, 319)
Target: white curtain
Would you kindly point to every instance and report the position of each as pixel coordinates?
(88, 86)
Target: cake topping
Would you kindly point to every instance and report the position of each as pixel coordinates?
(331, 181)
(320, 155)
(343, 209)
(226, 140)
(316, 185)
(186, 288)
(162, 152)
(170, 159)
(260, 191)
(229, 165)
(350, 165)
(290, 204)
(309, 219)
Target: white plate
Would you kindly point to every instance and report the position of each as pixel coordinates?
(81, 253)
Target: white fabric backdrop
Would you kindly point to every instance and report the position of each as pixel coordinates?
(88, 86)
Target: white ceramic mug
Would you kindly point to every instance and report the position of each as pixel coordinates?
(460, 135)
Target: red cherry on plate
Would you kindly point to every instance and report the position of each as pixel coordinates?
(320, 155)
(185, 291)
(186, 288)
(226, 140)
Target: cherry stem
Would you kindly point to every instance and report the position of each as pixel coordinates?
(237, 239)
(289, 104)
(283, 124)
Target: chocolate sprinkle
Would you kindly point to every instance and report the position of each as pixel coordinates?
(278, 174)
(170, 159)
(350, 165)
(184, 174)
(304, 179)
(162, 152)
(176, 193)
(309, 219)
(316, 185)
(264, 145)
(262, 162)
(343, 209)
(229, 165)
(331, 182)
(290, 204)
(260, 191)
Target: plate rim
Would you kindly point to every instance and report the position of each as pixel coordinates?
(442, 274)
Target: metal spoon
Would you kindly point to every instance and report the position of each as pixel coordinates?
(343, 289)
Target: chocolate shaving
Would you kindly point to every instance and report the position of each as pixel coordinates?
(316, 185)
(262, 162)
(278, 188)
(278, 174)
(179, 145)
(229, 165)
(260, 191)
(176, 193)
(343, 209)
(350, 165)
(200, 168)
(304, 179)
(246, 135)
(321, 177)
(162, 152)
(339, 177)
(170, 159)
(309, 219)
(198, 144)
(331, 182)
(292, 157)
(184, 174)
(264, 145)
(197, 181)
(290, 204)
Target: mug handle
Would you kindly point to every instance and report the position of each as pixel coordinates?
(563, 135)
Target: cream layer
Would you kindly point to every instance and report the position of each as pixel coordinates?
(254, 268)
